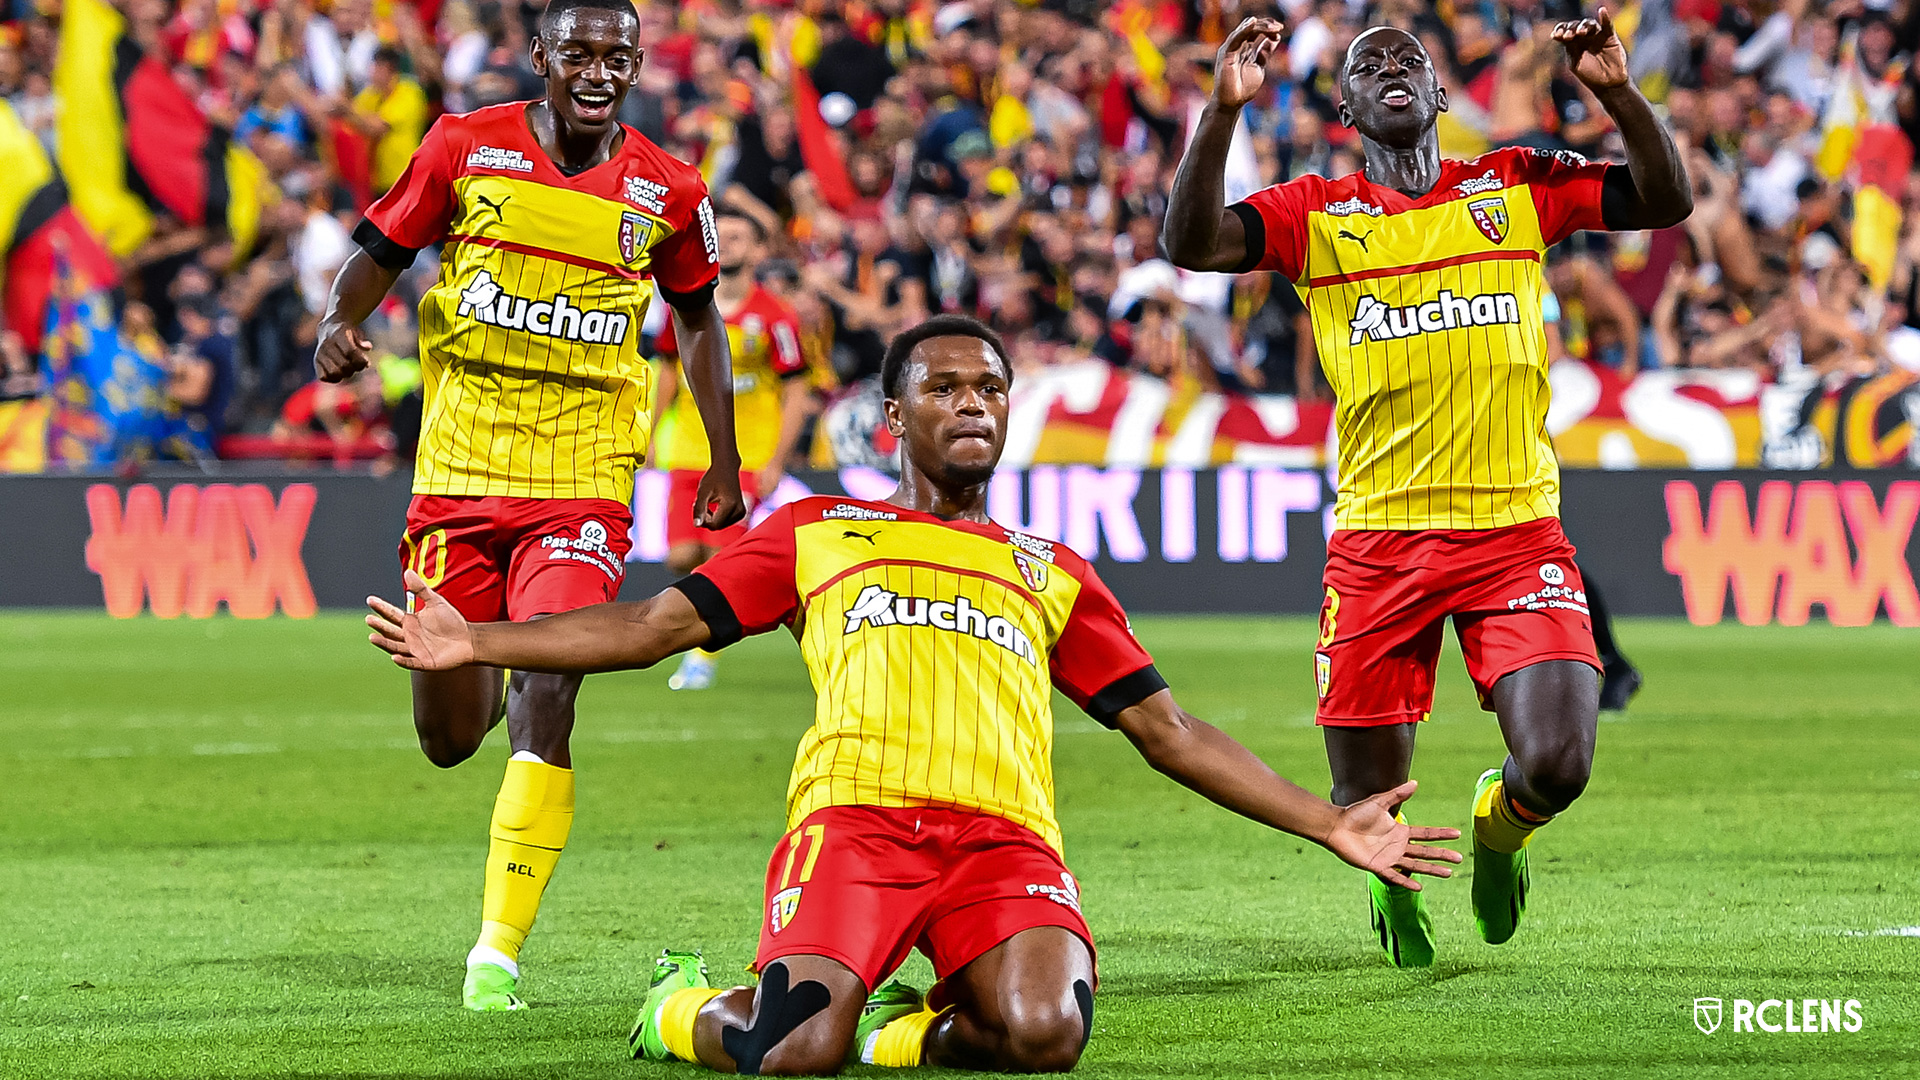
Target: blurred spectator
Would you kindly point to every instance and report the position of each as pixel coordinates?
(392, 111)
(200, 376)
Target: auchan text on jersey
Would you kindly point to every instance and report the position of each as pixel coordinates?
(1376, 320)
(484, 301)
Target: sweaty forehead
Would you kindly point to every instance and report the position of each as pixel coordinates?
(956, 352)
(593, 25)
(1382, 39)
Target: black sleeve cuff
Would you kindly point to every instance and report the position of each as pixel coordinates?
(688, 302)
(711, 603)
(1123, 694)
(1256, 230)
(1617, 196)
(384, 251)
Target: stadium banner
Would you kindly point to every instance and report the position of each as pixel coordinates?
(1091, 413)
(1746, 546)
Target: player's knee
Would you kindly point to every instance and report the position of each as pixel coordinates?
(446, 748)
(1044, 1036)
(444, 752)
(1558, 774)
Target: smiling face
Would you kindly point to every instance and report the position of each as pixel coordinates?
(1390, 92)
(951, 414)
(588, 57)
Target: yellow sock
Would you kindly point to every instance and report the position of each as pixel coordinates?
(1501, 825)
(711, 655)
(677, 1014)
(531, 819)
(900, 1043)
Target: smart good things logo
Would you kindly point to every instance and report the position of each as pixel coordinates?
(1771, 1016)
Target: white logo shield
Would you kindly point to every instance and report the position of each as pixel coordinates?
(1706, 1015)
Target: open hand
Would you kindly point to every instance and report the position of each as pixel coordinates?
(719, 503)
(432, 637)
(1240, 67)
(1594, 51)
(1367, 836)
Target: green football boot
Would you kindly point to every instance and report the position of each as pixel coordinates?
(674, 971)
(1400, 918)
(889, 1003)
(490, 988)
(1499, 879)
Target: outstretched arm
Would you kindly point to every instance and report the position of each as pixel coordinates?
(1659, 195)
(357, 290)
(708, 362)
(1200, 233)
(1207, 760)
(604, 637)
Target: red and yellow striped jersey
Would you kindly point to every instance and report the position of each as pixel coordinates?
(530, 341)
(933, 647)
(1427, 315)
(764, 334)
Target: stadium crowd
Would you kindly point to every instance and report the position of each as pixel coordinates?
(1011, 160)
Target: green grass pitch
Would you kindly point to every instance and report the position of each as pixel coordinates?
(223, 857)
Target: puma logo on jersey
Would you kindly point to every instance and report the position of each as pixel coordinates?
(499, 208)
(485, 302)
(1361, 239)
(1373, 319)
(877, 607)
(868, 537)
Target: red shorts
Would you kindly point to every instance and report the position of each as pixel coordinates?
(498, 559)
(866, 884)
(683, 491)
(1514, 594)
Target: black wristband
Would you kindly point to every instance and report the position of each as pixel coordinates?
(688, 303)
(1123, 694)
(713, 608)
(382, 250)
(1256, 230)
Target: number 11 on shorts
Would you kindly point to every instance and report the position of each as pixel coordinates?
(813, 836)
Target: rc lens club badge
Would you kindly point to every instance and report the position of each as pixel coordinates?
(635, 230)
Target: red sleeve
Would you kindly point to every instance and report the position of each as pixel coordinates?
(749, 587)
(666, 343)
(1097, 662)
(1276, 224)
(785, 354)
(1566, 192)
(417, 210)
(688, 262)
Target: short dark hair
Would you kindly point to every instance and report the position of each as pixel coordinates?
(558, 8)
(759, 230)
(390, 56)
(893, 366)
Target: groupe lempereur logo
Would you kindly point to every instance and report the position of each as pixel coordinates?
(1776, 1015)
